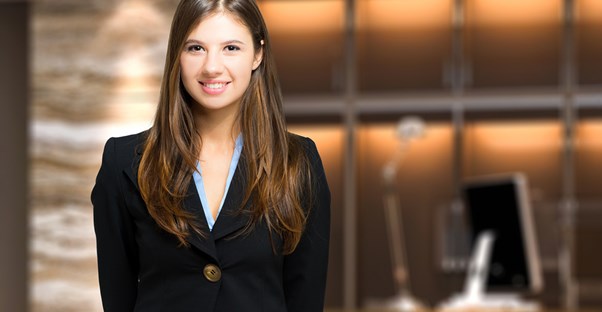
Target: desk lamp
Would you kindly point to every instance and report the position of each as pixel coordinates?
(408, 129)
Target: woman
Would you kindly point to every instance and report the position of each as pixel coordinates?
(216, 207)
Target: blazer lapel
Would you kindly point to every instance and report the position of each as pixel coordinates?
(192, 204)
(232, 218)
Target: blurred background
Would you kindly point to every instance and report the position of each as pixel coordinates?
(502, 86)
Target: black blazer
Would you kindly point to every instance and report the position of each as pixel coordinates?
(143, 268)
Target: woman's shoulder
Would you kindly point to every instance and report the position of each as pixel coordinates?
(125, 148)
(306, 144)
(132, 141)
(309, 146)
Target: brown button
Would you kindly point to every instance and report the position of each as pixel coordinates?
(212, 273)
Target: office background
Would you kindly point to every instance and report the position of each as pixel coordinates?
(512, 85)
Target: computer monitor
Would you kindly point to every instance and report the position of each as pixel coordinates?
(500, 204)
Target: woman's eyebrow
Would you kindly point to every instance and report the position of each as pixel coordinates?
(227, 42)
(234, 41)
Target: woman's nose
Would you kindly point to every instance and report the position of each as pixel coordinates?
(214, 64)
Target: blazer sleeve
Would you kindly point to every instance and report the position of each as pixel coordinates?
(115, 238)
(305, 269)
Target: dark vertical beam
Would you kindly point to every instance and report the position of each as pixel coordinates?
(458, 85)
(568, 118)
(350, 254)
(14, 90)
(460, 73)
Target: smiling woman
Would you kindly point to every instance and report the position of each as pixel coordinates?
(216, 207)
(218, 59)
(217, 62)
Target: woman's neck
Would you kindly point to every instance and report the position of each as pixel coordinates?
(216, 128)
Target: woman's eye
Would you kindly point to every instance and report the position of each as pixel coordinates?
(194, 48)
(232, 48)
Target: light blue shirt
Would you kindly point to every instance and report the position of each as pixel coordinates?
(200, 186)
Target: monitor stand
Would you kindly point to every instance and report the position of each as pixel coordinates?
(474, 296)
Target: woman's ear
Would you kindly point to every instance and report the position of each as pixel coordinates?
(258, 57)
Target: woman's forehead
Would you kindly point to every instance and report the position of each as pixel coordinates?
(223, 14)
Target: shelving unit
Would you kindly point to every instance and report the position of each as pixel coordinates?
(504, 86)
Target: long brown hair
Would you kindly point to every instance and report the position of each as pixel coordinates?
(276, 166)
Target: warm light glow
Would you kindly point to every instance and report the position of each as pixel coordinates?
(407, 14)
(308, 16)
(328, 139)
(589, 134)
(527, 135)
(382, 142)
(513, 12)
(589, 11)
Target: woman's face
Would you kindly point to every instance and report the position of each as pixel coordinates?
(217, 62)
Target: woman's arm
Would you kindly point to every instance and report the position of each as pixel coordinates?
(305, 269)
(115, 240)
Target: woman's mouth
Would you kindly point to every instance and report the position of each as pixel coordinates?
(214, 88)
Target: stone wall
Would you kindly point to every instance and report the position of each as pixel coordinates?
(96, 68)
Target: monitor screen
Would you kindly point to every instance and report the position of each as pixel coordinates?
(501, 204)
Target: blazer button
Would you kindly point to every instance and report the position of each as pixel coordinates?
(212, 273)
